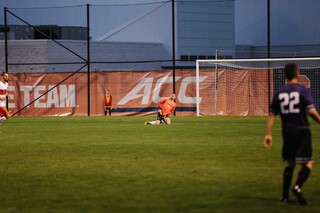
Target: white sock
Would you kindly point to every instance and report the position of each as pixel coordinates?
(2, 119)
(152, 122)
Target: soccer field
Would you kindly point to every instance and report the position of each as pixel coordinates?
(117, 164)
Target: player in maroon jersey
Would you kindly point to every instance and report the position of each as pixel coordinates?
(292, 102)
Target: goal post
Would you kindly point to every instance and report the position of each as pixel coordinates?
(197, 88)
(245, 86)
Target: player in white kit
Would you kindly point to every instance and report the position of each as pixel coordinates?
(4, 114)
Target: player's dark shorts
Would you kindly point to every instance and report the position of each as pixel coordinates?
(162, 118)
(297, 145)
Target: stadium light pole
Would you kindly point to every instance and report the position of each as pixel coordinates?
(88, 55)
(269, 54)
(173, 50)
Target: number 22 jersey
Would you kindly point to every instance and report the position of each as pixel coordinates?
(292, 102)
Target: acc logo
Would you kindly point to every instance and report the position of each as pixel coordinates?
(147, 83)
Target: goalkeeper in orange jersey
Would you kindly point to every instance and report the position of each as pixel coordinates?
(166, 108)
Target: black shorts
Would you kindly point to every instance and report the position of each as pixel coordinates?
(297, 145)
(162, 118)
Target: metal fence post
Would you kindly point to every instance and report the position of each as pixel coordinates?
(173, 50)
(6, 47)
(88, 55)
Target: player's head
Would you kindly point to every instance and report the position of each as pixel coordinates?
(107, 92)
(5, 76)
(292, 71)
(173, 96)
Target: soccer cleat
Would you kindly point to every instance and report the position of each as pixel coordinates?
(146, 123)
(284, 199)
(297, 192)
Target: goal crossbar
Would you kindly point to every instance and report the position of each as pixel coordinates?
(257, 60)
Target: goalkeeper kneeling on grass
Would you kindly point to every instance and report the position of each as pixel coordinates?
(166, 108)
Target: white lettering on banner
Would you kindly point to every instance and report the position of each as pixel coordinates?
(145, 83)
(156, 92)
(53, 97)
(26, 90)
(182, 98)
(37, 103)
(11, 97)
(66, 97)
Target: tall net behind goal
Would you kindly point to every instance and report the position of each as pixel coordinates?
(246, 86)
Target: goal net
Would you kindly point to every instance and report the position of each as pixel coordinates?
(246, 86)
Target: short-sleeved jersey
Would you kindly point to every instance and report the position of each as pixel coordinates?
(3, 91)
(107, 100)
(167, 106)
(292, 102)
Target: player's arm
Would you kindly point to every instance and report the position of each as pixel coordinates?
(9, 96)
(268, 137)
(314, 114)
(274, 110)
(3, 97)
(172, 110)
(160, 103)
(310, 106)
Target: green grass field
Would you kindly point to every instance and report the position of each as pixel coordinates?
(117, 164)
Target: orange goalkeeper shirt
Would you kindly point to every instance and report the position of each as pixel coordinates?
(167, 106)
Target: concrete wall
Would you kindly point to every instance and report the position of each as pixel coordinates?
(45, 51)
(22, 51)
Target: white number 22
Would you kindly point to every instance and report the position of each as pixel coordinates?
(291, 100)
